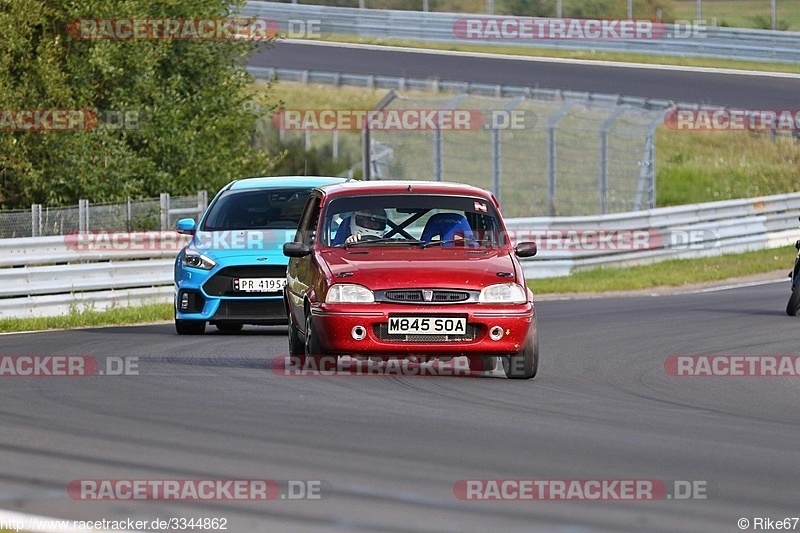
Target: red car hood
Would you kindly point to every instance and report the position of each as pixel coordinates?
(390, 268)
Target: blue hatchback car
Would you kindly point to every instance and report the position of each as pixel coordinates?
(233, 270)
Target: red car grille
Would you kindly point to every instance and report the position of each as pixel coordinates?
(416, 295)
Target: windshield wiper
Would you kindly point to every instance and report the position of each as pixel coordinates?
(466, 242)
(386, 240)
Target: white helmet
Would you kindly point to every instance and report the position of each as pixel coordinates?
(368, 222)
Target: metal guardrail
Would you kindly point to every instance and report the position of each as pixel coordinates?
(115, 277)
(44, 276)
(681, 232)
(712, 42)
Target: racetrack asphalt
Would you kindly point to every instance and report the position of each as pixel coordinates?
(763, 91)
(391, 448)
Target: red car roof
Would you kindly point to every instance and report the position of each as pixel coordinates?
(358, 188)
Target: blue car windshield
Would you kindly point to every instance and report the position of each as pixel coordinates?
(255, 209)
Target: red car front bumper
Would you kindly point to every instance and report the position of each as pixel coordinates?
(334, 326)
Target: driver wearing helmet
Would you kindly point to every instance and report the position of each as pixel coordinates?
(367, 224)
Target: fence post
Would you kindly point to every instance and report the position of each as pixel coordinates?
(36, 220)
(438, 148)
(645, 175)
(603, 185)
(335, 145)
(163, 205)
(128, 214)
(202, 203)
(774, 12)
(366, 137)
(83, 216)
(496, 144)
(496, 161)
(551, 157)
(366, 152)
(438, 139)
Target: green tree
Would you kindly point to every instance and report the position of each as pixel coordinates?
(191, 97)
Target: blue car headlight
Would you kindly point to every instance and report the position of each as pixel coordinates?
(194, 259)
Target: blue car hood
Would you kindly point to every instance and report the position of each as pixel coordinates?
(243, 247)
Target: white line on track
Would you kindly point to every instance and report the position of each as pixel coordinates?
(736, 286)
(642, 293)
(590, 62)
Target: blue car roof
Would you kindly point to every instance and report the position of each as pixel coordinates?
(284, 181)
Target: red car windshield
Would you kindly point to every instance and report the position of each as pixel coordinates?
(427, 220)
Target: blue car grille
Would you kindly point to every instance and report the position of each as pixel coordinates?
(221, 283)
(267, 311)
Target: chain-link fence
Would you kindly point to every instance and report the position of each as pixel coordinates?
(133, 215)
(540, 158)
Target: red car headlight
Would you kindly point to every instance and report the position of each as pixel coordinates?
(349, 293)
(503, 293)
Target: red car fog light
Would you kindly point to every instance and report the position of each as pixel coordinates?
(358, 333)
(496, 333)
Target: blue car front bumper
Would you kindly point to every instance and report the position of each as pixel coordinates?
(209, 295)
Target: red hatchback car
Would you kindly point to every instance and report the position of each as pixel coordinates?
(400, 269)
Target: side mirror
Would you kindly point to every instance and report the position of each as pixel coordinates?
(186, 226)
(526, 249)
(296, 249)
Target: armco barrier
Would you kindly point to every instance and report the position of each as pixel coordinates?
(51, 275)
(716, 42)
(701, 230)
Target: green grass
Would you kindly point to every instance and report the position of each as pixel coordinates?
(707, 166)
(741, 13)
(594, 55)
(80, 318)
(673, 273)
